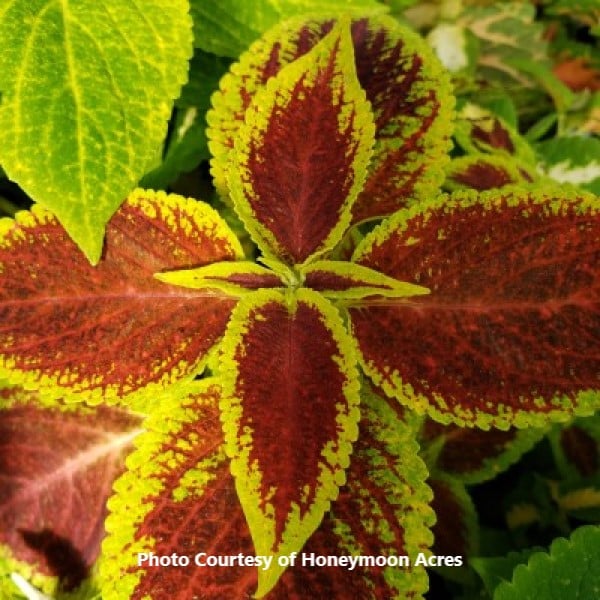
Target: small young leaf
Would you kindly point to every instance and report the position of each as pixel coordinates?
(70, 328)
(234, 277)
(87, 89)
(300, 159)
(345, 280)
(288, 435)
(57, 467)
(569, 570)
(508, 334)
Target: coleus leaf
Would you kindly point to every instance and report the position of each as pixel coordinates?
(234, 278)
(508, 333)
(485, 172)
(403, 80)
(313, 122)
(473, 455)
(456, 528)
(577, 447)
(506, 31)
(288, 435)
(480, 130)
(572, 160)
(75, 77)
(57, 467)
(345, 280)
(113, 329)
(187, 488)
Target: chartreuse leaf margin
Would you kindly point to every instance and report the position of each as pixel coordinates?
(79, 122)
(111, 331)
(312, 121)
(486, 258)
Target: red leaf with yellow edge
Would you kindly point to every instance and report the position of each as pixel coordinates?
(509, 333)
(187, 504)
(473, 455)
(346, 280)
(404, 82)
(106, 331)
(288, 434)
(301, 155)
(456, 528)
(485, 172)
(57, 467)
(234, 278)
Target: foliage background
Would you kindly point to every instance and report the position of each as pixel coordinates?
(534, 66)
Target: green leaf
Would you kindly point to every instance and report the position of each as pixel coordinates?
(186, 149)
(506, 30)
(228, 27)
(562, 96)
(570, 570)
(496, 569)
(187, 146)
(86, 93)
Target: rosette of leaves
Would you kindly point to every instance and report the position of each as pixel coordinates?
(477, 309)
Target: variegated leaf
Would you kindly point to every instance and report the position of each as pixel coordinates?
(288, 434)
(345, 280)
(187, 504)
(234, 278)
(301, 155)
(104, 332)
(485, 172)
(57, 467)
(456, 530)
(404, 82)
(509, 333)
(472, 455)
(480, 130)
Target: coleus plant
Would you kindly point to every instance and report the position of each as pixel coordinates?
(274, 388)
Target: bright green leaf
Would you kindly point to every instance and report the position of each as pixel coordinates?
(571, 570)
(228, 27)
(496, 569)
(86, 93)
